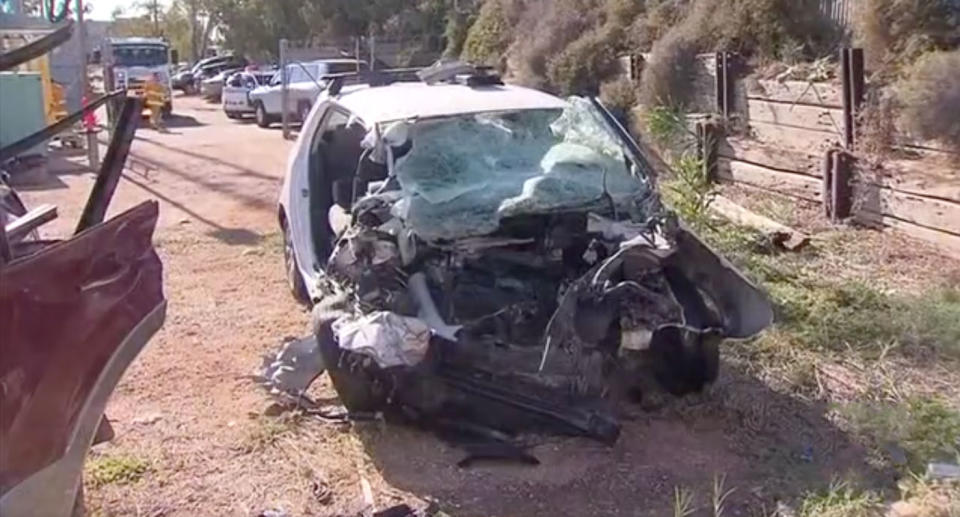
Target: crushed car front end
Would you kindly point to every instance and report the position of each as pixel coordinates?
(509, 271)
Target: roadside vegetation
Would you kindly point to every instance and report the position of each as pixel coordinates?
(114, 470)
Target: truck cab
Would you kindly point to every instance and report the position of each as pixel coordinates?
(132, 61)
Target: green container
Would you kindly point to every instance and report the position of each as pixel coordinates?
(21, 108)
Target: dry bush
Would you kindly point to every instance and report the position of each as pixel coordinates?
(586, 62)
(667, 78)
(930, 95)
(656, 19)
(895, 32)
(543, 31)
(877, 124)
(620, 94)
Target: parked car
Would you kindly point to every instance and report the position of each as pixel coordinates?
(185, 79)
(236, 91)
(212, 88)
(496, 259)
(182, 79)
(206, 71)
(304, 83)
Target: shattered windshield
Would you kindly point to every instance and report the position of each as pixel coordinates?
(463, 174)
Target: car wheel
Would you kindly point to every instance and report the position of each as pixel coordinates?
(263, 120)
(355, 386)
(303, 111)
(295, 280)
(685, 361)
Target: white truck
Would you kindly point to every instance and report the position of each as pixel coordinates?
(131, 62)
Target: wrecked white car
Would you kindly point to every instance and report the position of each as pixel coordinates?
(493, 259)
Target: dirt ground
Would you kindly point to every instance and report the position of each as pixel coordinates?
(189, 410)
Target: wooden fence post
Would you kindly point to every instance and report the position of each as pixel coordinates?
(851, 71)
(708, 147)
(837, 184)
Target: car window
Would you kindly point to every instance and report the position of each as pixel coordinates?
(235, 81)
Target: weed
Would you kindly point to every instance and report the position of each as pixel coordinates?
(840, 500)
(926, 429)
(682, 502)
(110, 470)
(931, 498)
(690, 192)
(268, 431)
(665, 125)
(720, 495)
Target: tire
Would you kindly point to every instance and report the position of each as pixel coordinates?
(261, 115)
(355, 386)
(685, 363)
(294, 279)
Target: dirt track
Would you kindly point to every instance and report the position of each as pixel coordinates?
(189, 409)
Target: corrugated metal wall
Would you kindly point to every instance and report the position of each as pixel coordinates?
(840, 11)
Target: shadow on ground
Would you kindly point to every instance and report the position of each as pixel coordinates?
(769, 446)
(179, 121)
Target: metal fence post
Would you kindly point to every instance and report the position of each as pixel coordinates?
(284, 92)
(723, 84)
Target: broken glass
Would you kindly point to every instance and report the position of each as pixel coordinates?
(464, 173)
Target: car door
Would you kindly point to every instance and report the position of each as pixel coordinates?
(335, 152)
(102, 290)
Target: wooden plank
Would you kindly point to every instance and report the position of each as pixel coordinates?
(808, 117)
(796, 92)
(928, 177)
(933, 213)
(947, 242)
(804, 140)
(782, 235)
(795, 185)
(775, 157)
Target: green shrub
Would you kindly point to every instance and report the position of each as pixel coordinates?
(926, 429)
(489, 36)
(930, 98)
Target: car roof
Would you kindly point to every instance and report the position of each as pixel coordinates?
(401, 101)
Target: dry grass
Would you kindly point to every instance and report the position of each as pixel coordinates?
(894, 33)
